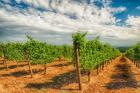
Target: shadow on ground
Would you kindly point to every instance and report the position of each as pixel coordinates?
(22, 73)
(123, 77)
(12, 66)
(61, 65)
(16, 66)
(57, 82)
(16, 74)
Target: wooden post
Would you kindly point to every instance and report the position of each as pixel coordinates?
(78, 68)
(5, 58)
(134, 62)
(45, 68)
(105, 63)
(29, 64)
(59, 59)
(138, 65)
(97, 69)
(134, 59)
(6, 64)
(108, 62)
(100, 67)
(89, 76)
(30, 69)
(17, 64)
(74, 64)
(103, 66)
(74, 55)
(3, 61)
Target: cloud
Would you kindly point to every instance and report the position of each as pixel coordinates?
(138, 7)
(61, 18)
(118, 9)
(133, 21)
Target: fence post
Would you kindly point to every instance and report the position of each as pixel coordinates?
(6, 64)
(26, 55)
(5, 58)
(78, 67)
(45, 68)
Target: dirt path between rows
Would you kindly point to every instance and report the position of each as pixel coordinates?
(120, 77)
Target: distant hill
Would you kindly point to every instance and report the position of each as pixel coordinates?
(122, 49)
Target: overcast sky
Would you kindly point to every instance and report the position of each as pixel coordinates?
(116, 21)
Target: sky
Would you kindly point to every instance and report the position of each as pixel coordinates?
(116, 21)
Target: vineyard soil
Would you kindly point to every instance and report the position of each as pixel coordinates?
(122, 76)
(118, 77)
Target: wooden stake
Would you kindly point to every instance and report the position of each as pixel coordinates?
(26, 55)
(17, 64)
(100, 68)
(103, 66)
(89, 76)
(45, 68)
(30, 69)
(3, 61)
(74, 55)
(78, 68)
(97, 70)
(6, 64)
(59, 59)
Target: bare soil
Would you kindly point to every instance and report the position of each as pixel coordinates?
(121, 76)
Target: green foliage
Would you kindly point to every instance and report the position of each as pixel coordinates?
(1, 49)
(122, 49)
(78, 38)
(35, 51)
(93, 53)
(41, 53)
(13, 51)
(133, 52)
